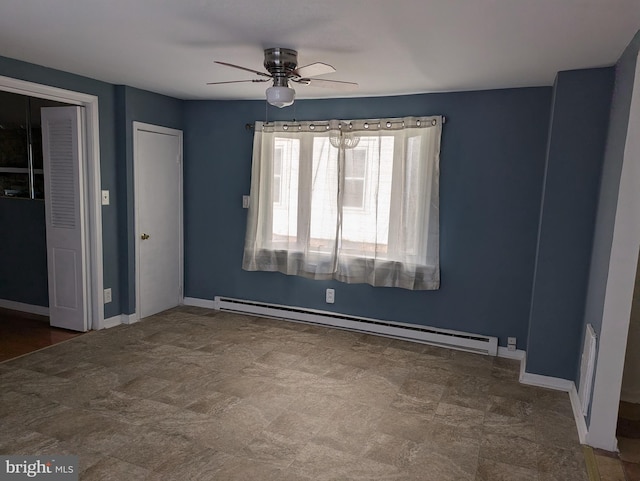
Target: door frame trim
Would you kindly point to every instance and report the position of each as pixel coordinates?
(156, 129)
(91, 201)
(619, 292)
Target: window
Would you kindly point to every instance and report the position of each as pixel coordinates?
(277, 174)
(355, 201)
(355, 176)
(21, 170)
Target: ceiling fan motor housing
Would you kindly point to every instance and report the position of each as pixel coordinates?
(280, 62)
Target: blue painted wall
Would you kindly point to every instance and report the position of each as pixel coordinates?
(23, 248)
(492, 162)
(141, 106)
(108, 161)
(577, 136)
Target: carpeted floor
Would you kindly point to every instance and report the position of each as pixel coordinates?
(193, 394)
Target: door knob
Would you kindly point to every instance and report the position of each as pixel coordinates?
(144, 236)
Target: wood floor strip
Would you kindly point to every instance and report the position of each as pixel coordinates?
(592, 465)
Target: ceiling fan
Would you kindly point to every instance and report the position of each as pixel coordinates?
(282, 65)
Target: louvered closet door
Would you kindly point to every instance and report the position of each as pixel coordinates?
(63, 151)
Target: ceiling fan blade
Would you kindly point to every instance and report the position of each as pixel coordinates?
(331, 84)
(239, 81)
(243, 68)
(314, 69)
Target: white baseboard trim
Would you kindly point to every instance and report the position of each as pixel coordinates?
(549, 382)
(518, 354)
(558, 384)
(112, 322)
(120, 319)
(546, 381)
(194, 301)
(22, 307)
(581, 424)
(129, 318)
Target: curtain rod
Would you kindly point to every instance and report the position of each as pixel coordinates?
(252, 126)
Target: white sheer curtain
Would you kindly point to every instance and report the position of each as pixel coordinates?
(355, 201)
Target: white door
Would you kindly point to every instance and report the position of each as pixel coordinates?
(158, 199)
(63, 152)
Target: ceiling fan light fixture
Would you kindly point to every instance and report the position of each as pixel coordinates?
(280, 96)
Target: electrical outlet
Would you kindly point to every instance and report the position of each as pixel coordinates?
(511, 343)
(331, 296)
(245, 201)
(105, 197)
(107, 295)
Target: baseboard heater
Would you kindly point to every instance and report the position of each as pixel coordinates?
(399, 330)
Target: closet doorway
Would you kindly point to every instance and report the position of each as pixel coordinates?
(90, 200)
(23, 255)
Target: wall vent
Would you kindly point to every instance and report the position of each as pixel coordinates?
(409, 332)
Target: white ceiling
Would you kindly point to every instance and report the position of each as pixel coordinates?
(389, 47)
